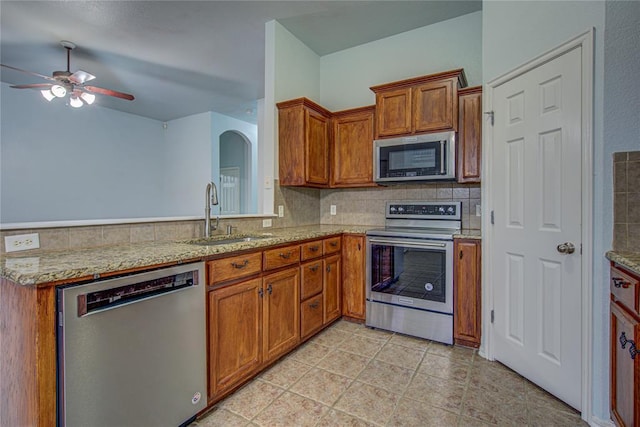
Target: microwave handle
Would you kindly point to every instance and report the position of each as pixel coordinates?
(442, 165)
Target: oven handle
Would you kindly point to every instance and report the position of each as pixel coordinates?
(407, 243)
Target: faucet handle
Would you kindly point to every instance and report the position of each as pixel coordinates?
(230, 229)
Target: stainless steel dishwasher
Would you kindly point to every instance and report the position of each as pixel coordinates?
(132, 350)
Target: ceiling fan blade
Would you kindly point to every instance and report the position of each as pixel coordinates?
(79, 77)
(109, 92)
(28, 72)
(33, 86)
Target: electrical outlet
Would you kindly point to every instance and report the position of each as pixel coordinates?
(21, 242)
(280, 211)
(267, 222)
(478, 210)
(333, 209)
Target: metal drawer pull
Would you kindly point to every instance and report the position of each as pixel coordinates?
(269, 289)
(314, 268)
(328, 268)
(314, 248)
(333, 244)
(239, 265)
(285, 256)
(632, 348)
(260, 292)
(314, 305)
(620, 283)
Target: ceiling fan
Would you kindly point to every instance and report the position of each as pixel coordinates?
(65, 83)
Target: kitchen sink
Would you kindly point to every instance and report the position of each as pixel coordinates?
(227, 240)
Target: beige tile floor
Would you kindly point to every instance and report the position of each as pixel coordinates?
(350, 375)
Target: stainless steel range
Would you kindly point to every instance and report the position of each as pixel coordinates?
(410, 270)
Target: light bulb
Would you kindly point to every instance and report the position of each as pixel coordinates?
(59, 91)
(88, 97)
(75, 102)
(47, 94)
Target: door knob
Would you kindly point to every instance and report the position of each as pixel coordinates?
(566, 248)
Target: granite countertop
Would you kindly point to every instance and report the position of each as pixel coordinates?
(628, 260)
(468, 234)
(44, 268)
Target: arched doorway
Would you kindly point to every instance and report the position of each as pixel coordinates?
(235, 173)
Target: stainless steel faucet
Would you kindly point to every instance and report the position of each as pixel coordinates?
(211, 199)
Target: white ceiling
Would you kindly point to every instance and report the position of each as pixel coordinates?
(180, 58)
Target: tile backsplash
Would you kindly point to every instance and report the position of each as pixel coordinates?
(626, 201)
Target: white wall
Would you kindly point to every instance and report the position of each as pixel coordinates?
(515, 32)
(187, 160)
(61, 163)
(345, 76)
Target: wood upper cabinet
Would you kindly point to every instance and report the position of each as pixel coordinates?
(469, 144)
(303, 138)
(331, 302)
(235, 334)
(352, 153)
(353, 276)
(467, 292)
(418, 105)
(281, 313)
(624, 352)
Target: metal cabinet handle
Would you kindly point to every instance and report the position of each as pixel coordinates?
(333, 244)
(314, 268)
(269, 289)
(314, 248)
(328, 269)
(239, 265)
(260, 292)
(632, 348)
(619, 282)
(314, 305)
(285, 256)
(566, 248)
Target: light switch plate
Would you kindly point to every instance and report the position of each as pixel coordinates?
(280, 211)
(333, 209)
(21, 242)
(268, 182)
(267, 222)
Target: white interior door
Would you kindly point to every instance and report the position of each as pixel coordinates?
(536, 193)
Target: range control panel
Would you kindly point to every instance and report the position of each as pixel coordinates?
(424, 210)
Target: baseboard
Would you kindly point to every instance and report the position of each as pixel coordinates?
(597, 422)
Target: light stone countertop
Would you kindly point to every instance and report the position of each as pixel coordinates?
(628, 260)
(46, 268)
(468, 234)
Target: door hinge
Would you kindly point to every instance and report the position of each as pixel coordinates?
(490, 114)
(492, 316)
(493, 218)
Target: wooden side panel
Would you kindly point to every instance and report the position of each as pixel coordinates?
(281, 313)
(470, 135)
(317, 148)
(291, 145)
(235, 332)
(27, 355)
(352, 162)
(331, 290)
(393, 112)
(235, 267)
(353, 276)
(434, 107)
(467, 292)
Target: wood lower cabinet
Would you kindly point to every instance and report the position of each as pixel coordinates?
(469, 143)
(353, 276)
(624, 352)
(281, 313)
(311, 316)
(352, 145)
(467, 292)
(331, 302)
(235, 334)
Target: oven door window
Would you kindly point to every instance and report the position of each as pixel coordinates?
(409, 272)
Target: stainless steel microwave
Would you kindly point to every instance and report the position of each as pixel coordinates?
(415, 158)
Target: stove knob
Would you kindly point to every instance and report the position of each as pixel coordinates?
(393, 209)
(450, 210)
(441, 209)
(400, 209)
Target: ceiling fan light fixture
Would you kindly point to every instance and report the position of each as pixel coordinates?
(88, 97)
(75, 102)
(47, 94)
(59, 91)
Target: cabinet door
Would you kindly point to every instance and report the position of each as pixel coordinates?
(433, 106)
(625, 368)
(311, 314)
(317, 148)
(469, 134)
(331, 289)
(235, 328)
(393, 112)
(353, 274)
(291, 134)
(281, 313)
(466, 330)
(352, 160)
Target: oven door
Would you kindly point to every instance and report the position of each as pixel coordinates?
(410, 272)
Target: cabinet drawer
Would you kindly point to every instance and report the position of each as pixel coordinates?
(625, 288)
(311, 279)
(280, 257)
(235, 267)
(310, 316)
(311, 250)
(332, 245)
